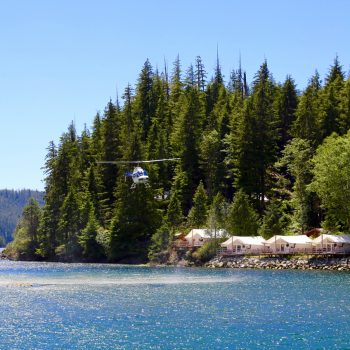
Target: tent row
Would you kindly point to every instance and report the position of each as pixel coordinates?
(241, 245)
(300, 244)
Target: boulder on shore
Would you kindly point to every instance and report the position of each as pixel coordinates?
(296, 263)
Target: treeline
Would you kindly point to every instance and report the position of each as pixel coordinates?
(253, 160)
(12, 203)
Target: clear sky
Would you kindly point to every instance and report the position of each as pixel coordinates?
(63, 60)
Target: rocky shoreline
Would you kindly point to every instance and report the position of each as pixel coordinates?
(282, 263)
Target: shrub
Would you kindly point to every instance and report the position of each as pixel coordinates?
(207, 251)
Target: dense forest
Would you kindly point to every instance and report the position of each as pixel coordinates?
(256, 157)
(11, 205)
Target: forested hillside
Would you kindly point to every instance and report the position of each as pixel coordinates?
(11, 205)
(255, 157)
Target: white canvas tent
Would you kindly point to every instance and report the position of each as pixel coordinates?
(332, 244)
(244, 245)
(289, 244)
(198, 236)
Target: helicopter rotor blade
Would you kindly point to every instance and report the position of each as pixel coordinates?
(137, 161)
(159, 160)
(113, 162)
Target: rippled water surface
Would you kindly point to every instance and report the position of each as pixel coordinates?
(79, 306)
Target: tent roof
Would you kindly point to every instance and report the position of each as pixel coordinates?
(299, 239)
(206, 233)
(246, 240)
(333, 238)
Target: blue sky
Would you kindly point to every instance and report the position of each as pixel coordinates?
(63, 60)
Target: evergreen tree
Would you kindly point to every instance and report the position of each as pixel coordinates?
(306, 125)
(297, 159)
(286, 103)
(158, 143)
(217, 213)
(94, 193)
(135, 220)
(96, 136)
(85, 151)
(213, 88)
(179, 186)
(91, 249)
(57, 169)
(242, 219)
(111, 142)
(210, 148)
(176, 83)
(197, 217)
(219, 110)
(25, 241)
(174, 216)
(200, 74)
(276, 219)
(252, 144)
(238, 84)
(160, 243)
(186, 140)
(190, 78)
(69, 227)
(330, 102)
(128, 119)
(335, 72)
(144, 99)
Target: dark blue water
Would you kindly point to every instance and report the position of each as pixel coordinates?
(77, 306)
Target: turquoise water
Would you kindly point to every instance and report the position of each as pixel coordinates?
(77, 306)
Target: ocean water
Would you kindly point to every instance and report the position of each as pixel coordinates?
(81, 306)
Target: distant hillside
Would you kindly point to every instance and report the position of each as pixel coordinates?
(11, 205)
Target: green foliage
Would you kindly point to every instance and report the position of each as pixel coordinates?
(174, 216)
(297, 157)
(276, 220)
(217, 213)
(160, 243)
(11, 206)
(145, 101)
(331, 179)
(242, 220)
(207, 251)
(91, 249)
(69, 227)
(110, 145)
(186, 140)
(253, 141)
(330, 102)
(210, 158)
(286, 103)
(228, 140)
(307, 124)
(25, 242)
(135, 220)
(197, 216)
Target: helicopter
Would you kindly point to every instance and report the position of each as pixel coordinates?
(138, 175)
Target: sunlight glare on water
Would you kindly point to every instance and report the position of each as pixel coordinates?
(80, 306)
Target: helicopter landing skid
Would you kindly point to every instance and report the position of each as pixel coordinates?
(147, 185)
